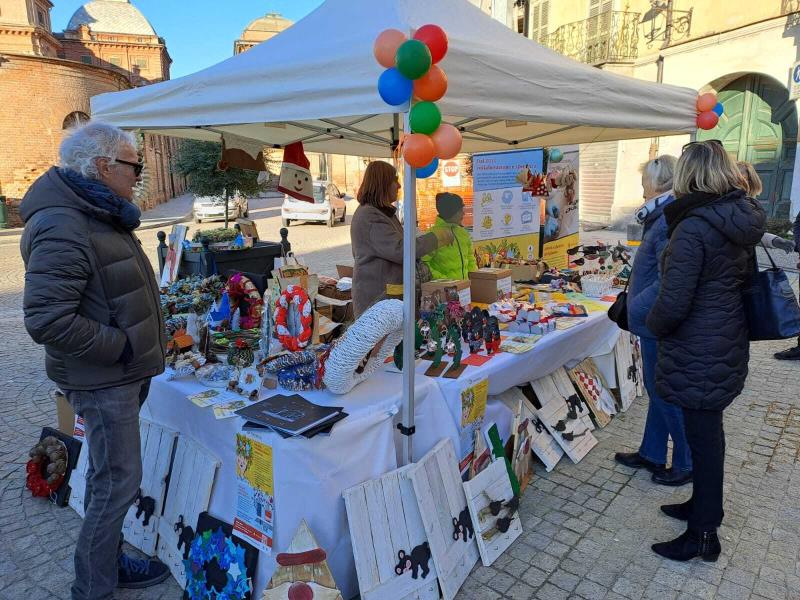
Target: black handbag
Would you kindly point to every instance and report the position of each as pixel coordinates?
(618, 312)
(770, 304)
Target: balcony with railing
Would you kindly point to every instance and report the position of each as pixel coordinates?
(612, 36)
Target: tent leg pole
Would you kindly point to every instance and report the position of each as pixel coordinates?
(409, 300)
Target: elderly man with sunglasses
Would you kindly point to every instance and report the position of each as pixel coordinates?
(92, 300)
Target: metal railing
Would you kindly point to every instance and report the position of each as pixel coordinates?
(611, 36)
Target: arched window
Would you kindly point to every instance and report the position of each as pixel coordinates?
(74, 119)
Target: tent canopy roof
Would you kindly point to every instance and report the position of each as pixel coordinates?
(317, 82)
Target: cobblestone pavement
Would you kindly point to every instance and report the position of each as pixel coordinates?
(588, 527)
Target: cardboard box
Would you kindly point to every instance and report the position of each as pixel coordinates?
(490, 284)
(462, 285)
(344, 271)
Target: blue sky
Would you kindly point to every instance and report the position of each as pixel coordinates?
(198, 33)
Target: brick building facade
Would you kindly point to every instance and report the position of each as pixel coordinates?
(47, 80)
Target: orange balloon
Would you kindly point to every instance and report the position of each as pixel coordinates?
(386, 45)
(447, 140)
(418, 150)
(431, 86)
(706, 102)
(707, 120)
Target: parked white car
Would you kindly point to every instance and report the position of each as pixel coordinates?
(212, 208)
(328, 206)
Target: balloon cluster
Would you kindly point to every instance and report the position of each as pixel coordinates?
(411, 70)
(709, 111)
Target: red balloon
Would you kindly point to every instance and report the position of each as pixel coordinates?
(706, 102)
(435, 39)
(431, 86)
(447, 140)
(386, 45)
(707, 120)
(418, 150)
(300, 590)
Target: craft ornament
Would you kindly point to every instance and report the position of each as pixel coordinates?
(47, 467)
(294, 318)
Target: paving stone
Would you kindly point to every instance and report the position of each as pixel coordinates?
(550, 592)
(565, 581)
(534, 576)
(628, 588)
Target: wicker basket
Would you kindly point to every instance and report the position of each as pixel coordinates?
(596, 286)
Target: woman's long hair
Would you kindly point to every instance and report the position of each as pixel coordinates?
(706, 167)
(376, 187)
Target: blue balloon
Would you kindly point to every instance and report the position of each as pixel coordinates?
(718, 109)
(428, 170)
(394, 88)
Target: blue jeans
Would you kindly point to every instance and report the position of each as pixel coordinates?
(114, 474)
(664, 420)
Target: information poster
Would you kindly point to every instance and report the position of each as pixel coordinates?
(473, 410)
(255, 501)
(504, 213)
(512, 227)
(561, 214)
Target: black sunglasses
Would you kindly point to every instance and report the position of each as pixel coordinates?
(717, 142)
(137, 166)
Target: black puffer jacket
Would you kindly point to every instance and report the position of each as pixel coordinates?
(89, 289)
(698, 316)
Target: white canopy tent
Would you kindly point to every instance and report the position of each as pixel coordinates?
(317, 82)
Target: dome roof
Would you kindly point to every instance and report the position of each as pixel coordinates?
(267, 26)
(111, 16)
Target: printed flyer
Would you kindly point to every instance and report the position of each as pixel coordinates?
(473, 410)
(504, 213)
(255, 503)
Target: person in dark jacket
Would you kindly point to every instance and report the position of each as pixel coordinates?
(699, 319)
(92, 300)
(794, 352)
(664, 420)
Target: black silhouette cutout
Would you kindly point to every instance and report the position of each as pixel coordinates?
(145, 505)
(418, 559)
(185, 536)
(462, 526)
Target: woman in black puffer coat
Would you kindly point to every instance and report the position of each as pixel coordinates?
(699, 320)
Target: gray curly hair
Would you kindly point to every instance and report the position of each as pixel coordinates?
(86, 143)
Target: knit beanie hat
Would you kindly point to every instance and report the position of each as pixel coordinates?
(448, 204)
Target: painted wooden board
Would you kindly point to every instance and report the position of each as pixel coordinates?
(157, 444)
(303, 568)
(490, 485)
(443, 506)
(594, 391)
(627, 374)
(387, 536)
(522, 430)
(188, 493)
(77, 481)
(550, 392)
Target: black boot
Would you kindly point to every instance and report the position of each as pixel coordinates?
(678, 511)
(691, 545)
(634, 460)
(790, 354)
(672, 477)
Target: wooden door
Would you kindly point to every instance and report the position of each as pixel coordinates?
(759, 125)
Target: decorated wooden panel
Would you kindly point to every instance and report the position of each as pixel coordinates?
(594, 390)
(140, 526)
(564, 415)
(636, 350)
(302, 571)
(188, 493)
(445, 516)
(391, 550)
(493, 508)
(627, 373)
(522, 430)
(77, 481)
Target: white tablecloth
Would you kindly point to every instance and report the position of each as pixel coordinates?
(309, 475)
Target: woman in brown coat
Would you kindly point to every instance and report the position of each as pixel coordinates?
(377, 237)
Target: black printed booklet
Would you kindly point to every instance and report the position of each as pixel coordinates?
(292, 415)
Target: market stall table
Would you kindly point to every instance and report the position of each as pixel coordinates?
(309, 475)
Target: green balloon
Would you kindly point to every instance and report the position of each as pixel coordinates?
(413, 59)
(425, 117)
